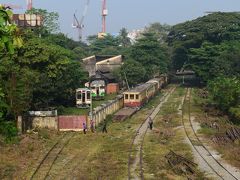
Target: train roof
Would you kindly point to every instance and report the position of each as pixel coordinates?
(82, 89)
(139, 88)
(155, 79)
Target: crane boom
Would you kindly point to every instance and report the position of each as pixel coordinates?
(11, 6)
(79, 24)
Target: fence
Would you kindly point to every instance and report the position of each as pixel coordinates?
(68, 123)
(100, 113)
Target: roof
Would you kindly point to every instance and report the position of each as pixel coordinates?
(139, 88)
(82, 89)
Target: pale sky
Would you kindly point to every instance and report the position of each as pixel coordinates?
(132, 14)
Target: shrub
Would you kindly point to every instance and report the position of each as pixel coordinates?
(235, 113)
(8, 130)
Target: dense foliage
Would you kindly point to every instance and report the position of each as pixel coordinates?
(225, 92)
(41, 74)
(46, 70)
(210, 46)
(201, 42)
(146, 58)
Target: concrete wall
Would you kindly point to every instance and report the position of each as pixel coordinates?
(100, 113)
(45, 122)
(32, 122)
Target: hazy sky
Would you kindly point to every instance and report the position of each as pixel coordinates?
(132, 14)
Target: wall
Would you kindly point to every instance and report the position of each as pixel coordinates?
(31, 122)
(45, 122)
(100, 113)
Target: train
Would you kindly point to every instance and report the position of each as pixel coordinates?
(83, 98)
(141, 94)
(98, 88)
(133, 98)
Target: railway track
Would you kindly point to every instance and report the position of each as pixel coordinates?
(42, 171)
(217, 169)
(135, 158)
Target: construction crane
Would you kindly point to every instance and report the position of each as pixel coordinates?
(78, 24)
(29, 4)
(11, 6)
(104, 14)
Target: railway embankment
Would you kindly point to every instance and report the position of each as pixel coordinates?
(217, 133)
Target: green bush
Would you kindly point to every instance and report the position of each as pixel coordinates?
(8, 130)
(225, 92)
(235, 112)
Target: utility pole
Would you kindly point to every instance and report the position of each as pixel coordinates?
(91, 106)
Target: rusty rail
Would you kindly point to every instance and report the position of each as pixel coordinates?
(200, 142)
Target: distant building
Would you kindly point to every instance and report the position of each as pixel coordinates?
(135, 34)
(102, 65)
(27, 20)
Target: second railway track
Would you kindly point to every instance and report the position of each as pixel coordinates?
(217, 169)
(135, 161)
(42, 171)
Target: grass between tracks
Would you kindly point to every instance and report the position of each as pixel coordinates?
(230, 151)
(167, 135)
(90, 156)
(101, 156)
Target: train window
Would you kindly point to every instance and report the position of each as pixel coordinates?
(137, 96)
(79, 95)
(88, 95)
(131, 96)
(126, 96)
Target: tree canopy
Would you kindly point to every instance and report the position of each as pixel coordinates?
(214, 28)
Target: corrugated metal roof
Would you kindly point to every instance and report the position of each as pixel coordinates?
(139, 88)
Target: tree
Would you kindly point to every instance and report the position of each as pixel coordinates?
(124, 39)
(50, 21)
(133, 71)
(211, 60)
(9, 34)
(99, 46)
(151, 55)
(225, 92)
(160, 31)
(214, 28)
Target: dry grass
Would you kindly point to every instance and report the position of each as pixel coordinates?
(17, 160)
(90, 156)
(105, 156)
(168, 135)
(230, 152)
